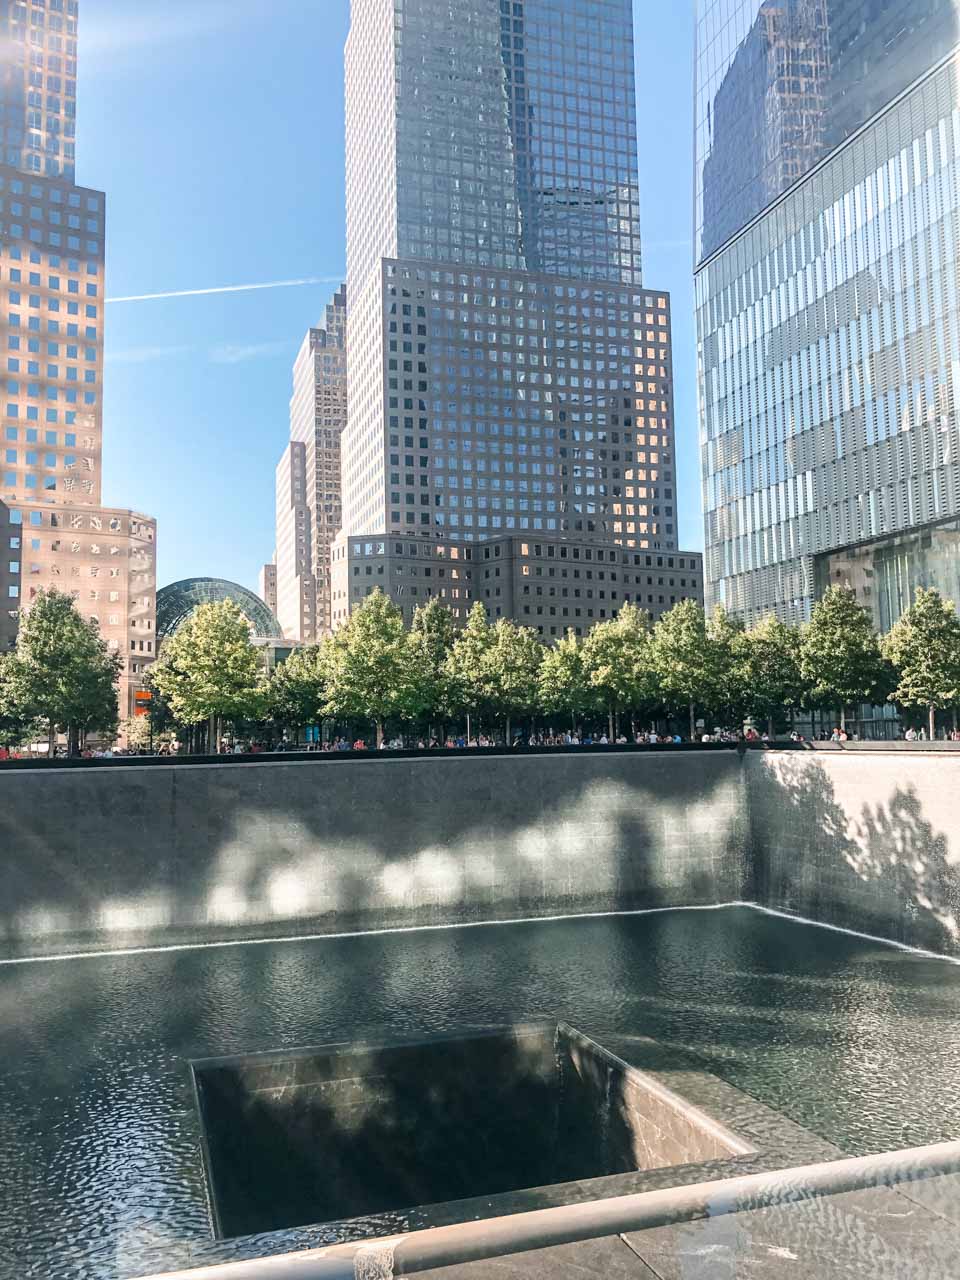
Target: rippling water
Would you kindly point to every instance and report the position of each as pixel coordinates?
(100, 1173)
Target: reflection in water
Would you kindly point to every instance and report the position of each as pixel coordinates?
(99, 1160)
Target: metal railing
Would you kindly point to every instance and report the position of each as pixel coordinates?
(498, 1237)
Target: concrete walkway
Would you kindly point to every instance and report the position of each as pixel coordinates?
(908, 1233)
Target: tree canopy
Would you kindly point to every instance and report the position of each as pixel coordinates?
(767, 670)
(618, 662)
(371, 666)
(297, 692)
(924, 649)
(63, 672)
(512, 665)
(840, 660)
(210, 670)
(564, 685)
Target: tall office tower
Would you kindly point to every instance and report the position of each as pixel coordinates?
(296, 588)
(828, 184)
(55, 531)
(308, 478)
(509, 374)
(267, 585)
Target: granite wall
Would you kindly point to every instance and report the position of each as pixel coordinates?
(865, 840)
(143, 855)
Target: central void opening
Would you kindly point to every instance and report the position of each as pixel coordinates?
(338, 1132)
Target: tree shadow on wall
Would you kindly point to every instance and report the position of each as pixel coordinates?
(882, 868)
(261, 851)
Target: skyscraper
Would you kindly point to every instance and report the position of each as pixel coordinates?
(828, 183)
(55, 530)
(509, 374)
(308, 478)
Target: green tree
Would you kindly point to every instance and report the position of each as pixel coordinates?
(297, 691)
(371, 669)
(924, 650)
(767, 659)
(63, 672)
(840, 658)
(693, 660)
(210, 670)
(137, 732)
(563, 680)
(725, 695)
(433, 633)
(17, 724)
(468, 668)
(513, 664)
(617, 660)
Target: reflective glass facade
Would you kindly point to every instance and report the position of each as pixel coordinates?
(782, 83)
(829, 359)
(56, 533)
(507, 371)
(885, 574)
(38, 86)
(516, 135)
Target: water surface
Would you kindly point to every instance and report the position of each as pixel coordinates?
(100, 1172)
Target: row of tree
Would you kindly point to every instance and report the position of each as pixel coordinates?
(687, 665)
(63, 678)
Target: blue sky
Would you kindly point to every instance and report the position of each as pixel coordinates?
(216, 129)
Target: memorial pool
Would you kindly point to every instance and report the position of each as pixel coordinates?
(100, 1169)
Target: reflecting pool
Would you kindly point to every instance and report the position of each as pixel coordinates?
(100, 1166)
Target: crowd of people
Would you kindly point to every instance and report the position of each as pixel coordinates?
(168, 747)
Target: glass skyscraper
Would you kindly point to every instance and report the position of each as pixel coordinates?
(508, 372)
(54, 530)
(827, 190)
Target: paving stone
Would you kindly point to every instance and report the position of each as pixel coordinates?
(607, 1259)
(877, 1234)
(940, 1195)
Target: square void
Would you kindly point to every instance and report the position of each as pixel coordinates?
(332, 1133)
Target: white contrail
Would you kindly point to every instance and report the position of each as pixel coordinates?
(229, 288)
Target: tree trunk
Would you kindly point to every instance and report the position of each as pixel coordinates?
(610, 733)
(843, 718)
(693, 722)
(51, 740)
(379, 734)
(933, 723)
(212, 735)
(509, 734)
(468, 728)
(955, 721)
(770, 734)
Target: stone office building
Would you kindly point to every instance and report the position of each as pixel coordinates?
(55, 531)
(509, 372)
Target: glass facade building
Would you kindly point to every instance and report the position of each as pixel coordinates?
(38, 86)
(508, 372)
(54, 530)
(828, 182)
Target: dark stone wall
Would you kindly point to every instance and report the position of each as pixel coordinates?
(863, 840)
(139, 856)
(102, 858)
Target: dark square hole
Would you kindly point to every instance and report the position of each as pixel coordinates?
(332, 1133)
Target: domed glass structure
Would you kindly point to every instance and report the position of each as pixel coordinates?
(176, 602)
